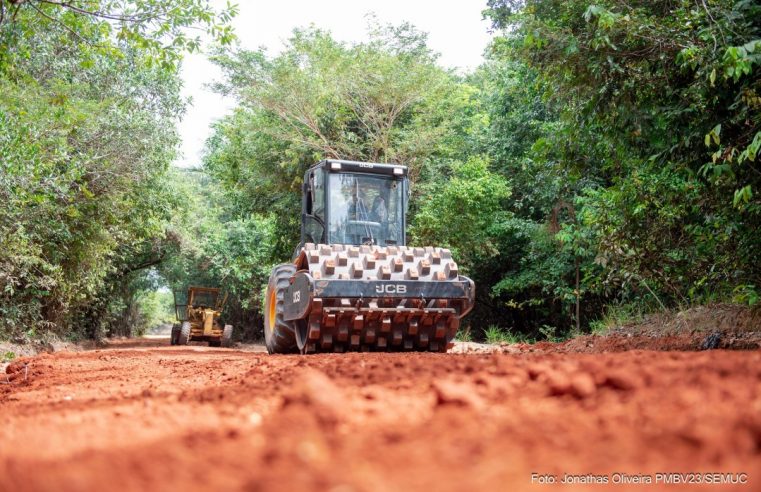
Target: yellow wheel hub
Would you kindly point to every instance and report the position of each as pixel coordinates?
(272, 301)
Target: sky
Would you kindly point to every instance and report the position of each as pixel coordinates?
(456, 31)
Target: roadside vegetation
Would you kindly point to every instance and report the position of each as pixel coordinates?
(89, 104)
(495, 334)
(602, 163)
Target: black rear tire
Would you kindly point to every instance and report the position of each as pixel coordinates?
(279, 335)
(227, 336)
(184, 336)
(175, 334)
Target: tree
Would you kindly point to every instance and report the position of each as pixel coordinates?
(657, 106)
(380, 101)
(384, 100)
(87, 134)
(463, 213)
(158, 28)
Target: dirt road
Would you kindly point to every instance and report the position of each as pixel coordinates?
(141, 417)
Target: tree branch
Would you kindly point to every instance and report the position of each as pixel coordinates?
(62, 24)
(144, 265)
(102, 15)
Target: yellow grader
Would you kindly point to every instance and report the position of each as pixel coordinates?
(353, 284)
(198, 316)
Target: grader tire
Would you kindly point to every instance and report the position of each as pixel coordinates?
(279, 334)
(227, 336)
(175, 334)
(184, 336)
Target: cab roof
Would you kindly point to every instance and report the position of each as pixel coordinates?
(203, 289)
(339, 165)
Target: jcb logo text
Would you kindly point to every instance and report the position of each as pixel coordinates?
(391, 289)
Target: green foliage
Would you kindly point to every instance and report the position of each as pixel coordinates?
(616, 315)
(161, 29)
(384, 100)
(87, 133)
(496, 335)
(746, 294)
(8, 357)
(550, 333)
(463, 213)
(464, 335)
(154, 308)
(658, 122)
(531, 281)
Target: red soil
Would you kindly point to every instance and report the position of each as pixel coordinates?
(167, 418)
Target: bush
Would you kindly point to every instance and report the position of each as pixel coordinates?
(495, 335)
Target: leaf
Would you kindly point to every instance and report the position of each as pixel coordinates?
(713, 135)
(592, 11)
(742, 196)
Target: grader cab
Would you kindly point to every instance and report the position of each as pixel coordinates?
(198, 315)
